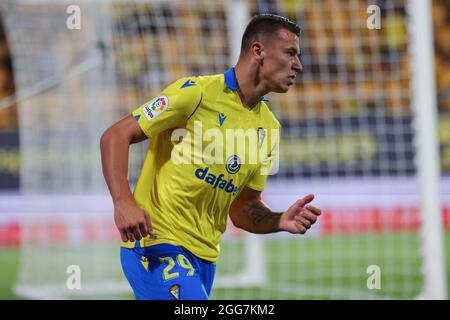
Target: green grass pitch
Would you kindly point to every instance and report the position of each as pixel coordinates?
(310, 268)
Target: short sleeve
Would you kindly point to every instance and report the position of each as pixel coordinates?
(269, 162)
(170, 108)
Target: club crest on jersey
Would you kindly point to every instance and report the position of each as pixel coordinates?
(175, 291)
(233, 164)
(155, 107)
(144, 262)
(261, 136)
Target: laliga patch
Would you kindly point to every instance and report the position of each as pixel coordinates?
(154, 108)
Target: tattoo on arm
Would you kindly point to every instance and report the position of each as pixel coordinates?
(260, 214)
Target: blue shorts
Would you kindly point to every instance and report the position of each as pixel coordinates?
(167, 272)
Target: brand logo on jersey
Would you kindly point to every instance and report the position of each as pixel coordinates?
(222, 118)
(216, 181)
(175, 291)
(233, 164)
(188, 83)
(155, 108)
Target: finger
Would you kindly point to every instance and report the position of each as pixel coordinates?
(305, 200)
(130, 236)
(304, 222)
(136, 232)
(300, 228)
(149, 226)
(123, 235)
(314, 210)
(143, 229)
(307, 214)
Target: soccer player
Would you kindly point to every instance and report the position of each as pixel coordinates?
(171, 225)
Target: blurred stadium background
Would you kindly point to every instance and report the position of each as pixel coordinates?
(348, 136)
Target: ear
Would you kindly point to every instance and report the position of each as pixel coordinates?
(258, 52)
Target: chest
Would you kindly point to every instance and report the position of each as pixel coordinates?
(227, 131)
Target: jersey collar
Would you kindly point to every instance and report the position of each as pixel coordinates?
(230, 81)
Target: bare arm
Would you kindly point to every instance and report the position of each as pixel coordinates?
(133, 223)
(249, 212)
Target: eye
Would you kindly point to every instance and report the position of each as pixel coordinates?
(291, 53)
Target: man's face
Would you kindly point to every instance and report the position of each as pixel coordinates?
(281, 62)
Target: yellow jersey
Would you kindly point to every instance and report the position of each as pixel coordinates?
(205, 147)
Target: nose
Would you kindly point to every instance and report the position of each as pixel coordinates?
(297, 65)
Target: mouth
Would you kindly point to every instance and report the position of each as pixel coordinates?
(292, 79)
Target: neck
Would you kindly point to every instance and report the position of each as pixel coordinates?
(250, 88)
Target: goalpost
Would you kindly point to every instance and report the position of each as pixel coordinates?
(427, 158)
(348, 137)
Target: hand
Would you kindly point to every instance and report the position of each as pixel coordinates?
(300, 216)
(133, 222)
